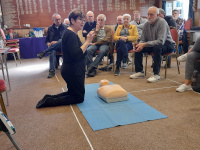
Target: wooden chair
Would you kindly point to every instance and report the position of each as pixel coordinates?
(2, 89)
(14, 44)
(175, 37)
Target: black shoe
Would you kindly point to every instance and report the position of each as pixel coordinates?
(106, 68)
(51, 74)
(117, 72)
(92, 74)
(89, 70)
(47, 102)
(41, 54)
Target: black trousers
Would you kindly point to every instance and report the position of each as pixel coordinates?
(158, 50)
(76, 86)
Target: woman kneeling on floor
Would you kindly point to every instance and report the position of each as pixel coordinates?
(73, 67)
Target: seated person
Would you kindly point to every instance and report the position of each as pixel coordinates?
(171, 22)
(102, 42)
(108, 67)
(179, 22)
(124, 36)
(54, 33)
(56, 46)
(139, 22)
(90, 24)
(169, 19)
(181, 30)
(190, 57)
(156, 38)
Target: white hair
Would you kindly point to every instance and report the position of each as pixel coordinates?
(157, 10)
(161, 11)
(126, 15)
(101, 15)
(89, 12)
(55, 15)
(118, 16)
(66, 19)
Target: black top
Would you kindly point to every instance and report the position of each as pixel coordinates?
(170, 21)
(72, 53)
(54, 34)
(88, 27)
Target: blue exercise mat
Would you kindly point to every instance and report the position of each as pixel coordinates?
(102, 115)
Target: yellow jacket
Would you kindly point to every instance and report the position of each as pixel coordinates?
(133, 33)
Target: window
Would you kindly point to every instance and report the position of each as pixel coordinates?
(181, 5)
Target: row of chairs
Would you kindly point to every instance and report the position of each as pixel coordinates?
(13, 43)
(175, 53)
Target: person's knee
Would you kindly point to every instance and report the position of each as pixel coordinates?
(79, 99)
(120, 42)
(91, 49)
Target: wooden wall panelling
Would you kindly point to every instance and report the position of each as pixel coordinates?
(38, 13)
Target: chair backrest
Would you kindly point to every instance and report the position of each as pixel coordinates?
(175, 37)
(188, 24)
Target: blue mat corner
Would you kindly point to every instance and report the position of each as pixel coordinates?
(102, 115)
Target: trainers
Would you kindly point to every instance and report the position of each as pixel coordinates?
(41, 54)
(124, 65)
(51, 74)
(183, 88)
(154, 78)
(182, 58)
(117, 72)
(137, 75)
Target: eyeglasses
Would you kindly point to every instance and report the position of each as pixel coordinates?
(82, 20)
(57, 19)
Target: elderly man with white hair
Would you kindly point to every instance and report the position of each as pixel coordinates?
(156, 38)
(90, 24)
(102, 41)
(124, 36)
(138, 21)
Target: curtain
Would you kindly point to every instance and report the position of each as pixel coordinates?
(191, 12)
(164, 5)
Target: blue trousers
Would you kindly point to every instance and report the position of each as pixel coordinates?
(122, 51)
(103, 49)
(52, 54)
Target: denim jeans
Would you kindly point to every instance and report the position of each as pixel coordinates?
(158, 50)
(52, 54)
(56, 47)
(103, 49)
(122, 51)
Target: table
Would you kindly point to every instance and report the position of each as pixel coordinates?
(194, 35)
(30, 47)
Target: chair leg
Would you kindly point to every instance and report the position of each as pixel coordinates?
(18, 55)
(178, 65)
(15, 58)
(146, 66)
(3, 105)
(166, 67)
(133, 59)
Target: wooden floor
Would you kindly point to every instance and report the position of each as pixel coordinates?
(65, 128)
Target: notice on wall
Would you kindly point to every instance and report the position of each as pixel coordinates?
(38, 13)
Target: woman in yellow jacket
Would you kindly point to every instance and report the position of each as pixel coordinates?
(124, 36)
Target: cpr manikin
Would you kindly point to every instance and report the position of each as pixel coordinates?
(111, 93)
